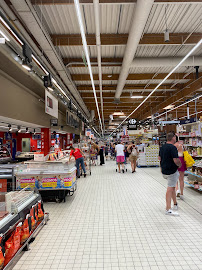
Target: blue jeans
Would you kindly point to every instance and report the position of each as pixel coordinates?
(78, 162)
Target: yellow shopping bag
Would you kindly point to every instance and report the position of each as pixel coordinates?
(188, 159)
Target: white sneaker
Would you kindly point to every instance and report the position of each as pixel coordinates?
(182, 197)
(178, 193)
(170, 212)
(175, 207)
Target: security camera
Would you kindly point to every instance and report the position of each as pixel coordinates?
(166, 36)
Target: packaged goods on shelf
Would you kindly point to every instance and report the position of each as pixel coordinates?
(14, 227)
(149, 157)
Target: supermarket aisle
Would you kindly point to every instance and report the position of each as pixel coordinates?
(117, 221)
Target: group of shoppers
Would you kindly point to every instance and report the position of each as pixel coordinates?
(125, 152)
(171, 159)
(173, 167)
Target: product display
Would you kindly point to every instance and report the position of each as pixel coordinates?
(23, 208)
(194, 178)
(149, 157)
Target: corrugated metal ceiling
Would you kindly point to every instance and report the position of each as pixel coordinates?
(181, 18)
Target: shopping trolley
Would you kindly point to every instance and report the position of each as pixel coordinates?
(125, 166)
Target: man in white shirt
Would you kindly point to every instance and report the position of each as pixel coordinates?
(120, 157)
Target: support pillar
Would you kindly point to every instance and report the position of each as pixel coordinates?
(45, 140)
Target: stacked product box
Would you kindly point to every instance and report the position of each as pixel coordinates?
(149, 157)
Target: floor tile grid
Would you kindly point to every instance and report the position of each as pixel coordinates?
(115, 221)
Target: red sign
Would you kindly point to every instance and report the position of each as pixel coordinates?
(3, 185)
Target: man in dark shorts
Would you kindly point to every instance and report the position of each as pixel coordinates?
(168, 156)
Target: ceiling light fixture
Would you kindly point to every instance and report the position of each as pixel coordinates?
(57, 85)
(9, 128)
(6, 38)
(79, 17)
(172, 71)
(26, 65)
(137, 96)
(169, 107)
(118, 113)
(50, 88)
(9, 28)
(109, 76)
(19, 129)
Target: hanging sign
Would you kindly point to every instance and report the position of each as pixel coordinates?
(88, 133)
(54, 122)
(51, 104)
(187, 121)
(132, 124)
(72, 120)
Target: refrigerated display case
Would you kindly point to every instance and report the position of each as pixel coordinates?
(58, 177)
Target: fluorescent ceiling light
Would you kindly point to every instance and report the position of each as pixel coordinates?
(169, 107)
(8, 27)
(57, 85)
(50, 88)
(136, 96)
(26, 66)
(78, 12)
(6, 38)
(118, 113)
(173, 70)
(37, 61)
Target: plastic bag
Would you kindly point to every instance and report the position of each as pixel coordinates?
(25, 231)
(188, 159)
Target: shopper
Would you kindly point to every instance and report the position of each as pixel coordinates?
(133, 151)
(181, 170)
(106, 151)
(126, 152)
(120, 157)
(170, 162)
(78, 155)
(101, 153)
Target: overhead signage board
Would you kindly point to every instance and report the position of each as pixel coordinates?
(88, 133)
(187, 121)
(54, 122)
(132, 124)
(51, 104)
(72, 120)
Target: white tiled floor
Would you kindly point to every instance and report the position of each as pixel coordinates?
(117, 221)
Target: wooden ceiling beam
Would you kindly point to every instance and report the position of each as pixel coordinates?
(181, 95)
(121, 39)
(163, 87)
(145, 76)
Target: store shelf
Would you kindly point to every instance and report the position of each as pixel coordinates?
(192, 145)
(26, 244)
(191, 185)
(193, 174)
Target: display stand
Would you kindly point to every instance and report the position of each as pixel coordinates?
(25, 246)
(54, 178)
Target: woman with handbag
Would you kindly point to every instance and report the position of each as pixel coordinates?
(132, 149)
(182, 169)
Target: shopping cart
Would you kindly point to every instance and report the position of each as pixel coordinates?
(94, 158)
(125, 166)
